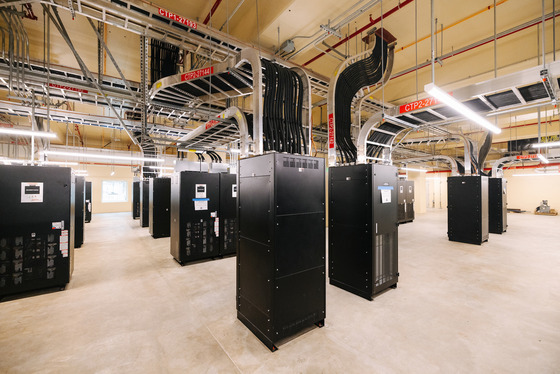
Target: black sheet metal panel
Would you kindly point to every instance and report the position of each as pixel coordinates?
(533, 92)
(401, 200)
(363, 228)
(194, 216)
(145, 203)
(497, 205)
(281, 253)
(136, 200)
(36, 228)
(160, 207)
(79, 219)
(409, 120)
(89, 205)
(477, 105)
(405, 193)
(426, 116)
(467, 209)
(409, 206)
(228, 214)
(446, 111)
(503, 99)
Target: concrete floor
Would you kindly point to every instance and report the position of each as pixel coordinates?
(130, 308)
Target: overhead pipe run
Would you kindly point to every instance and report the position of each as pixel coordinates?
(359, 31)
(212, 11)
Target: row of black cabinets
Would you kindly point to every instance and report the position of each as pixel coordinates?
(197, 209)
(476, 206)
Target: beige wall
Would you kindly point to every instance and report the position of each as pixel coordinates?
(97, 174)
(524, 193)
(527, 192)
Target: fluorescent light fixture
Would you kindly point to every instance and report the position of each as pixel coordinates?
(535, 174)
(412, 169)
(39, 134)
(543, 159)
(376, 158)
(9, 161)
(234, 150)
(162, 167)
(549, 144)
(110, 157)
(459, 107)
(65, 163)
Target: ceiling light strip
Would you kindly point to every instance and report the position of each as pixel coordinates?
(459, 107)
(101, 156)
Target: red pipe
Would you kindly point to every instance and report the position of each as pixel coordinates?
(212, 11)
(540, 165)
(475, 46)
(371, 23)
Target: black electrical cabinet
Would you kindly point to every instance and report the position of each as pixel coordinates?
(36, 228)
(281, 250)
(363, 228)
(194, 216)
(136, 200)
(228, 214)
(405, 193)
(160, 206)
(79, 215)
(145, 203)
(89, 205)
(467, 209)
(497, 205)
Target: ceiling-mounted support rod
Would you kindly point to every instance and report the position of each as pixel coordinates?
(433, 41)
(100, 54)
(60, 27)
(232, 14)
(543, 37)
(144, 87)
(115, 64)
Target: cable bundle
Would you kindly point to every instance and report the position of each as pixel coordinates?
(214, 156)
(282, 110)
(360, 74)
(380, 137)
(163, 60)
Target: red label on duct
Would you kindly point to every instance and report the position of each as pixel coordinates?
(197, 74)
(177, 18)
(331, 130)
(427, 102)
(211, 124)
(526, 157)
(67, 88)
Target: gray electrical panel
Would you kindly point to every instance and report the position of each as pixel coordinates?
(405, 193)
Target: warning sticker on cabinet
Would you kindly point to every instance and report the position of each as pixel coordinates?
(201, 204)
(385, 193)
(64, 243)
(234, 190)
(385, 196)
(31, 192)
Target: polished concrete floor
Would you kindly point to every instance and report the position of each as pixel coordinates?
(130, 308)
